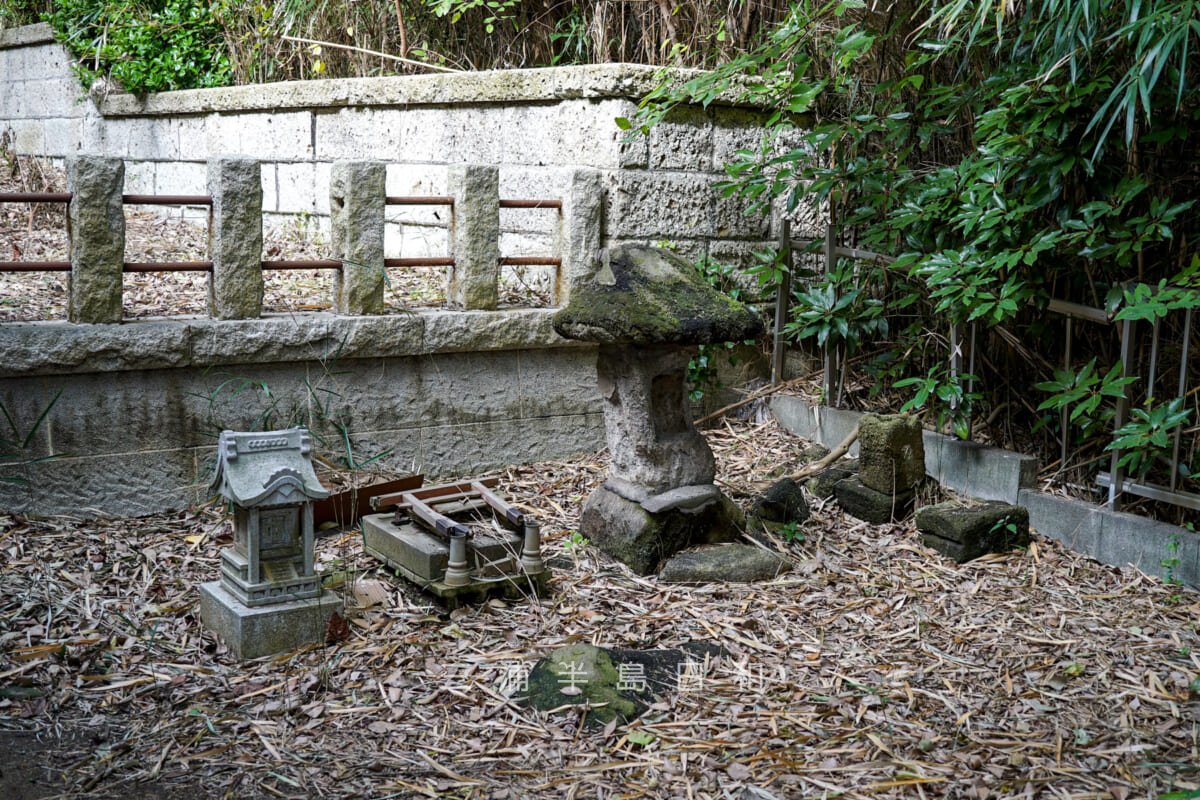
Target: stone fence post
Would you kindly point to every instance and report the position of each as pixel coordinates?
(475, 237)
(96, 229)
(235, 238)
(579, 233)
(356, 211)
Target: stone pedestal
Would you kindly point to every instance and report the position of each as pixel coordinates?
(647, 419)
(252, 632)
(627, 531)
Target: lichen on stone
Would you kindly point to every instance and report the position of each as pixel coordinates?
(648, 295)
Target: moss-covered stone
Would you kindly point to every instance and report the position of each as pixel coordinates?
(627, 532)
(782, 502)
(821, 485)
(647, 295)
(891, 452)
(967, 531)
(725, 563)
(576, 674)
(861, 501)
(615, 684)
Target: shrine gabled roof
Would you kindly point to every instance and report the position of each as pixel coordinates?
(264, 466)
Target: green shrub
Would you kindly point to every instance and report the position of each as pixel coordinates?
(157, 46)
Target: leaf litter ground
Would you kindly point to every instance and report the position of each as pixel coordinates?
(874, 668)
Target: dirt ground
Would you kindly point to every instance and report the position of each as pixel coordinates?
(873, 668)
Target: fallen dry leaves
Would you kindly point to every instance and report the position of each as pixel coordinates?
(875, 668)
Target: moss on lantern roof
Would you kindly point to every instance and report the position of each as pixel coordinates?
(647, 295)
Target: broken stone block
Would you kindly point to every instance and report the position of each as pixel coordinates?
(625, 530)
(783, 502)
(821, 485)
(724, 563)
(964, 531)
(891, 452)
(862, 502)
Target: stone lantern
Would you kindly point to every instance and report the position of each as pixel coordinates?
(649, 310)
(269, 598)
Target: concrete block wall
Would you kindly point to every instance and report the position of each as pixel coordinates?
(40, 98)
(532, 124)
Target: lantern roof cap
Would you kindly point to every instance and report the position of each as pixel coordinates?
(266, 468)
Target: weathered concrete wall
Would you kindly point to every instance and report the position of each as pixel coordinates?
(134, 409)
(531, 124)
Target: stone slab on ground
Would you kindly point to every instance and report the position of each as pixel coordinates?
(782, 502)
(624, 530)
(966, 531)
(821, 485)
(724, 563)
(614, 684)
(863, 502)
(265, 630)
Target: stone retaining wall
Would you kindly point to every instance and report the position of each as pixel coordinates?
(134, 409)
(531, 124)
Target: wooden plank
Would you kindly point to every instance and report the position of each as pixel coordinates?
(442, 493)
(343, 508)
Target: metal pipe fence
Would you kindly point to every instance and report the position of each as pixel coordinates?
(278, 264)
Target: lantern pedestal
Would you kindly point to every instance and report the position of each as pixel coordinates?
(251, 632)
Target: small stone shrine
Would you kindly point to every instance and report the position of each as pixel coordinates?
(649, 310)
(269, 598)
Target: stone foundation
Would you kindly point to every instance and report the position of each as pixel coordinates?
(265, 630)
(625, 530)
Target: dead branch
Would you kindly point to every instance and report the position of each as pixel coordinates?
(834, 455)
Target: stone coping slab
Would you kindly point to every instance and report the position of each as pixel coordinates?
(61, 348)
(543, 84)
(26, 35)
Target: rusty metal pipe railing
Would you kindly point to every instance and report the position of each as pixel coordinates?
(35, 266)
(530, 261)
(166, 200)
(393, 200)
(531, 204)
(418, 262)
(167, 266)
(127, 199)
(310, 264)
(35, 197)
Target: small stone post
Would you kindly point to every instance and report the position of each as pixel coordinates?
(579, 235)
(356, 212)
(476, 236)
(96, 228)
(235, 238)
